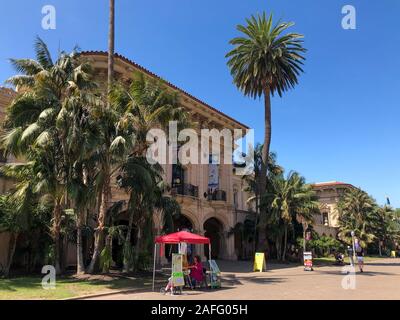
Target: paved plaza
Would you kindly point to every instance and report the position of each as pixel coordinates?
(381, 280)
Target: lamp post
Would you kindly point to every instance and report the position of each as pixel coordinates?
(352, 240)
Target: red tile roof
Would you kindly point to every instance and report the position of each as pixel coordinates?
(103, 53)
(331, 184)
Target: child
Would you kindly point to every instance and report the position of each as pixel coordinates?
(170, 286)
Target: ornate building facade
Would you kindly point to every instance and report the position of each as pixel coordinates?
(329, 194)
(210, 208)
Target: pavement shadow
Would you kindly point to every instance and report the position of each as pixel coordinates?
(247, 266)
(233, 280)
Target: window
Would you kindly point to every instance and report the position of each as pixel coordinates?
(325, 219)
(235, 198)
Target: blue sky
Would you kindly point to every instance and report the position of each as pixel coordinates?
(339, 123)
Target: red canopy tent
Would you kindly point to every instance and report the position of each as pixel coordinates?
(176, 238)
(182, 236)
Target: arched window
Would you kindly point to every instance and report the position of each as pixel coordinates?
(325, 219)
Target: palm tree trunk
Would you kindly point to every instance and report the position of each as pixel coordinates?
(127, 267)
(79, 248)
(56, 235)
(111, 45)
(138, 247)
(264, 165)
(305, 227)
(256, 223)
(285, 244)
(99, 234)
(14, 238)
(278, 248)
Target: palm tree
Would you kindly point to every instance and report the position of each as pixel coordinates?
(147, 104)
(17, 206)
(36, 126)
(357, 212)
(144, 105)
(288, 199)
(253, 184)
(385, 227)
(263, 62)
(105, 197)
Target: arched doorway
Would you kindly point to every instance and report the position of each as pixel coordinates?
(213, 230)
(118, 241)
(182, 222)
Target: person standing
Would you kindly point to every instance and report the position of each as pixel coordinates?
(360, 255)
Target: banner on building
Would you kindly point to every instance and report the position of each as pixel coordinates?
(213, 179)
(177, 272)
(308, 261)
(259, 262)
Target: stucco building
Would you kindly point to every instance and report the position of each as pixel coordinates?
(211, 210)
(329, 194)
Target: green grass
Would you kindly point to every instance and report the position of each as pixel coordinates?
(66, 287)
(331, 260)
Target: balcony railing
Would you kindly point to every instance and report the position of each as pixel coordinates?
(217, 195)
(186, 190)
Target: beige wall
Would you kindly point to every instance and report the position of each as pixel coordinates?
(329, 195)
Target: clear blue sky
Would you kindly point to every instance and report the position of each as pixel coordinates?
(340, 122)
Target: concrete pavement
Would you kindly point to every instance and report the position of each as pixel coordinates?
(381, 280)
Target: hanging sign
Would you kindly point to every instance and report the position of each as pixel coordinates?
(177, 272)
(213, 172)
(259, 262)
(308, 263)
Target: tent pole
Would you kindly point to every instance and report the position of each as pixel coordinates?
(209, 251)
(154, 264)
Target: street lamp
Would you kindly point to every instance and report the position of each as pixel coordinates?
(352, 240)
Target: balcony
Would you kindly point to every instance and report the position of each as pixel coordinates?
(186, 190)
(217, 195)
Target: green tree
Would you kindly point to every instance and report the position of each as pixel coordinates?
(265, 61)
(252, 187)
(357, 212)
(288, 200)
(35, 127)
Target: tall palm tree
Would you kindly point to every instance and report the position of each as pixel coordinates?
(263, 62)
(144, 105)
(106, 163)
(34, 123)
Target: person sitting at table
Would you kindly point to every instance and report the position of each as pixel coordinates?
(196, 271)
